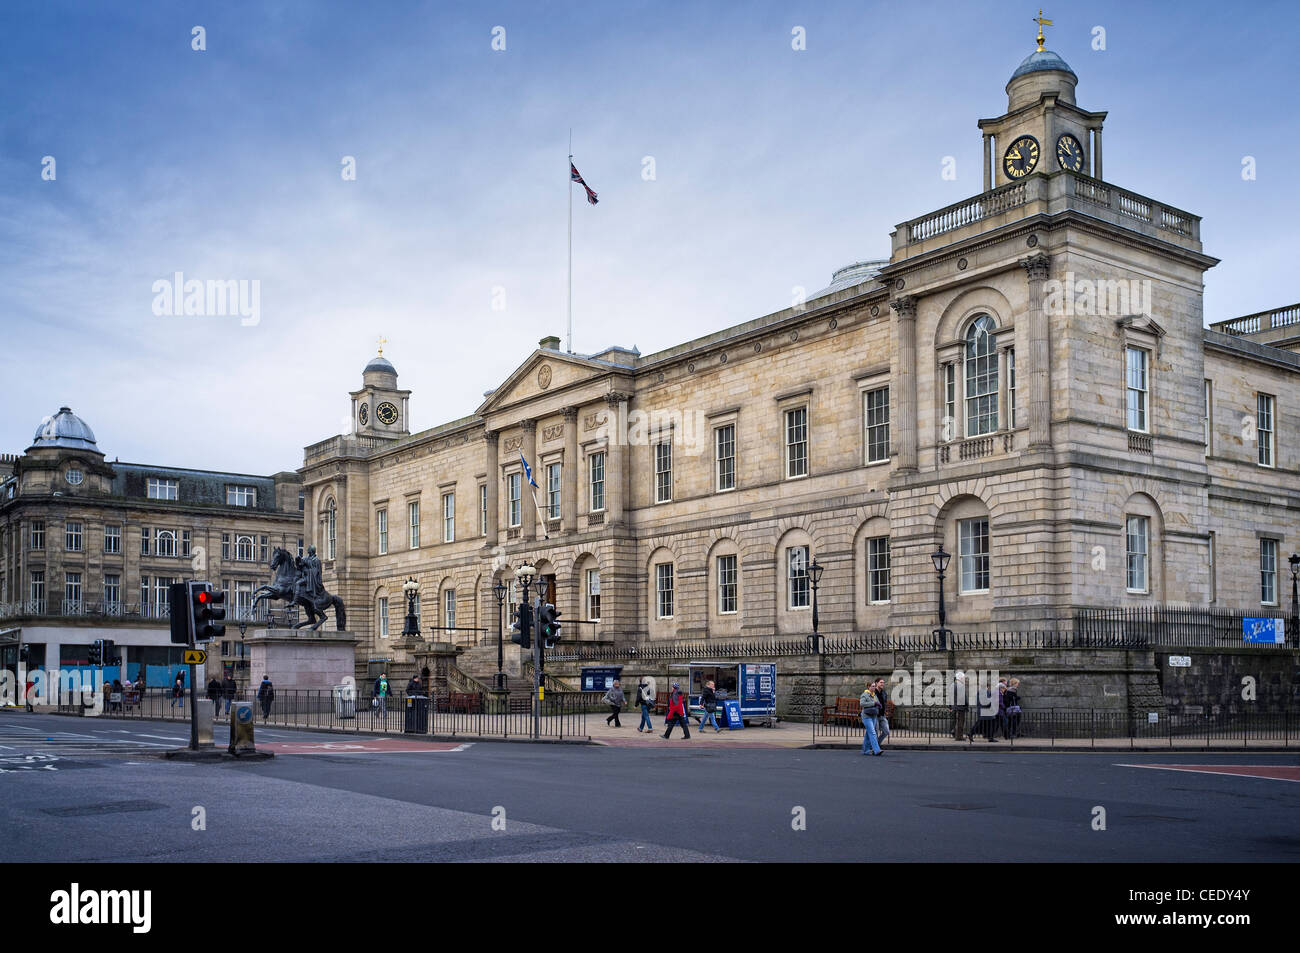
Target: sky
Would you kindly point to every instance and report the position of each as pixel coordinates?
(731, 169)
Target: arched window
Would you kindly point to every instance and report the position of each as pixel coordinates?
(981, 378)
(244, 549)
(331, 531)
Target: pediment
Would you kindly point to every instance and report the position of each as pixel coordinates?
(546, 372)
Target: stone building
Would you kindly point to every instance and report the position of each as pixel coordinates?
(88, 548)
(1027, 382)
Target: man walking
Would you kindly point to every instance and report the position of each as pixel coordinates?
(644, 699)
(869, 707)
(380, 694)
(615, 699)
(266, 695)
(178, 689)
(228, 690)
(214, 695)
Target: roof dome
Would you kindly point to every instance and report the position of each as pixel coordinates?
(380, 363)
(1040, 60)
(65, 429)
(850, 275)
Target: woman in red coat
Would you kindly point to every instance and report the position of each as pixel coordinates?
(677, 712)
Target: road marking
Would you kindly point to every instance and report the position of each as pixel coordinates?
(1267, 772)
(364, 746)
(163, 737)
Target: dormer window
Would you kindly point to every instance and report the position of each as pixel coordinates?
(159, 489)
(241, 496)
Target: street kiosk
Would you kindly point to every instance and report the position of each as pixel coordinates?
(753, 684)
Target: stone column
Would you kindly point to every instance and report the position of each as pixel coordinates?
(1096, 153)
(905, 321)
(529, 509)
(988, 162)
(569, 487)
(493, 466)
(616, 457)
(1037, 268)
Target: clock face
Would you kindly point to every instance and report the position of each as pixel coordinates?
(1021, 158)
(363, 414)
(1069, 153)
(387, 413)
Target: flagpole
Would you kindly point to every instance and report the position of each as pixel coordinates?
(568, 178)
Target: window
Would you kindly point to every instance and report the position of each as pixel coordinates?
(724, 443)
(263, 550)
(878, 569)
(302, 502)
(144, 594)
(112, 593)
(664, 590)
(381, 520)
(449, 517)
(243, 598)
(331, 532)
(36, 535)
(1137, 535)
(1214, 570)
(727, 591)
(383, 617)
(875, 414)
(1011, 388)
(553, 491)
(74, 476)
(157, 489)
(72, 536)
(185, 542)
(225, 545)
(413, 513)
(144, 540)
(164, 542)
(796, 442)
(482, 510)
(72, 591)
(1268, 572)
(162, 583)
(1207, 418)
(449, 608)
(1264, 428)
(593, 595)
(597, 468)
(974, 548)
(241, 496)
(797, 575)
(37, 590)
(981, 378)
(1136, 386)
(244, 549)
(514, 499)
(300, 547)
(663, 471)
(949, 402)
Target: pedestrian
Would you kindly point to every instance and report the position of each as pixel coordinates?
(1013, 708)
(958, 706)
(677, 713)
(214, 695)
(886, 709)
(31, 690)
(987, 721)
(709, 701)
(178, 689)
(266, 695)
(413, 687)
(117, 690)
(615, 699)
(379, 696)
(645, 698)
(869, 707)
(229, 689)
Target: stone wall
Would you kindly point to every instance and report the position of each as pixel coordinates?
(1216, 680)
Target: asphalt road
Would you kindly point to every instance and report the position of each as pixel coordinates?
(97, 790)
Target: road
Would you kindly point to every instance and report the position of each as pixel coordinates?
(90, 790)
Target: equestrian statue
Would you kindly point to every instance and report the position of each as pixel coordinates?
(298, 582)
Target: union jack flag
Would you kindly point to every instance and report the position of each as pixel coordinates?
(576, 177)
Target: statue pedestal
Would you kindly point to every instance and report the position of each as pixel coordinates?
(300, 658)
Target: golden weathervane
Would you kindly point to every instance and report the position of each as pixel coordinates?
(383, 340)
(1041, 23)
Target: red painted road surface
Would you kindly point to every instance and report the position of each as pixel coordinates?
(361, 746)
(1272, 772)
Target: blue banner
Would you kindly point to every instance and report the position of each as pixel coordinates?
(1263, 631)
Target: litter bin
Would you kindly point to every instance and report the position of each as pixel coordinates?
(417, 715)
(345, 701)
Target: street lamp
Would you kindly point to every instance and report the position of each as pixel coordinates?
(526, 574)
(499, 590)
(815, 577)
(412, 626)
(1295, 603)
(940, 560)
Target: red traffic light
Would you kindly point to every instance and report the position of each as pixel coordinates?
(204, 596)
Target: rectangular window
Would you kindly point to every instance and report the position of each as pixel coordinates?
(113, 539)
(449, 517)
(597, 470)
(162, 583)
(331, 532)
(663, 471)
(413, 512)
(554, 491)
(37, 589)
(727, 589)
(157, 489)
(302, 502)
(36, 535)
(164, 542)
(949, 402)
(1137, 535)
(185, 542)
(797, 577)
(72, 536)
(664, 590)
(1264, 404)
(875, 414)
(974, 550)
(1214, 570)
(878, 569)
(383, 617)
(241, 496)
(72, 591)
(1011, 388)
(112, 593)
(381, 521)
(263, 549)
(796, 442)
(300, 552)
(144, 595)
(1136, 386)
(225, 545)
(1207, 416)
(593, 595)
(724, 443)
(482, 510)
(449, 608)
(514, 498)
(1268, 572)
(144, 540)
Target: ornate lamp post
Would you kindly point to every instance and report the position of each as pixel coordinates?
(815, 577)
(499, 590)
(1295, 603)
(525, 573)
(411, 628)
(940, 560)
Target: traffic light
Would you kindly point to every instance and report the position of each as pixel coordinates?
(96, 652)
(549, 625)
(107, 652)
(178, 604)
(521, 630)
(207, 609)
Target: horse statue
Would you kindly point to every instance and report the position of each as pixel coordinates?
(298, 582)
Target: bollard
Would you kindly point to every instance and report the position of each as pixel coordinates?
(241, 729)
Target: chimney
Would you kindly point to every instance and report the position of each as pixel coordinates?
(549, 343)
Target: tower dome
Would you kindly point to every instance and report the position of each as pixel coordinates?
(379, 372)
(65, 429)
(1042, 71)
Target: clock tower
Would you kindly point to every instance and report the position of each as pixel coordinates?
(379, 409)
(1043, 129)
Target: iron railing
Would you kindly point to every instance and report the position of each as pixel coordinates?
(1171, 626)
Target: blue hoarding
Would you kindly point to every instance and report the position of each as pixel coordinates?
(1263, 631)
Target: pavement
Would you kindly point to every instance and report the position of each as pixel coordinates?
(78, 790)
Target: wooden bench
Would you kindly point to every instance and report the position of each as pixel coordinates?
(845, 710)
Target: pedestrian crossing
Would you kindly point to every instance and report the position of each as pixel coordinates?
(18, 740)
